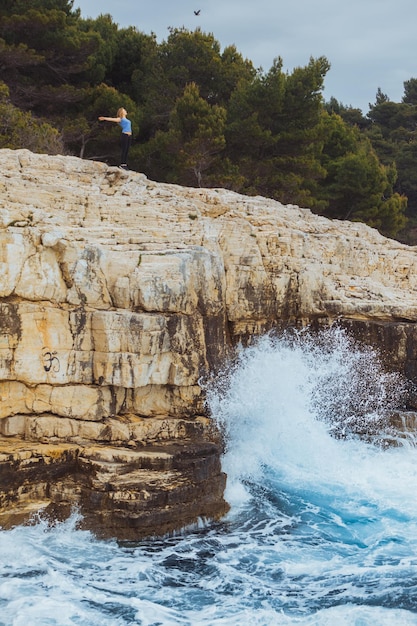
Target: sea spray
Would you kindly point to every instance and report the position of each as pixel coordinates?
(322, 531)
(285, 403)
(291, 394)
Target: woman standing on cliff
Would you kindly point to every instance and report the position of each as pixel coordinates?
(126, 137)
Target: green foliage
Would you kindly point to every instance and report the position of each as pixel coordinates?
(193, 141)
(350, 115)
(391, 219)
(389, 116)
(19, 7)
(195, 57)
(104, 32)
(394, 134)
(410, 91)
(158, 74)
(21, 130)
(135, 55)
(274, 133)
(203, 116)
(406, 160)
(200, 127)
(348, 156)
(62, 51)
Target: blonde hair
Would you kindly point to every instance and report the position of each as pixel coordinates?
(121, 111)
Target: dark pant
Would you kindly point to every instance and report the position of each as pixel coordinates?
(125, 145)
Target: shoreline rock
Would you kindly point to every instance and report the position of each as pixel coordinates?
(119, 295)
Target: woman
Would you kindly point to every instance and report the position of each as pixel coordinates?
(126, 133)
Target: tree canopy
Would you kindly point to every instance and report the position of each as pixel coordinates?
(203, 116)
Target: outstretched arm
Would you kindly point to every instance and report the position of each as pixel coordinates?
(109, 119)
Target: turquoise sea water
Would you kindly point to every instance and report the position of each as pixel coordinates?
(322, 528)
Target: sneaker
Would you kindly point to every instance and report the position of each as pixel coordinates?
(123, 166)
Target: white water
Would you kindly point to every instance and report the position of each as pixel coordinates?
(322, 530)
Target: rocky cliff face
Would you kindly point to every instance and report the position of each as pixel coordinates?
(119, 294)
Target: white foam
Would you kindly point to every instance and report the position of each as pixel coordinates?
(319, 529)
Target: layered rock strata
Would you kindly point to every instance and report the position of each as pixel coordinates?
(119, 295)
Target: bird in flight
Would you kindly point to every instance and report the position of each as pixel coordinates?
(197, 12)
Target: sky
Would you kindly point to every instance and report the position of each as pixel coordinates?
(369, 44)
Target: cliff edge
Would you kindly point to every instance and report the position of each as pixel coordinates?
(119, 294)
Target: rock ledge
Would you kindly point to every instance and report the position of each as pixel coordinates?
(119, 295)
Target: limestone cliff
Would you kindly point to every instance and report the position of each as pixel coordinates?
(118, 294)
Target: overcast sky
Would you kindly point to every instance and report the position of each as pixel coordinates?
(369, 43)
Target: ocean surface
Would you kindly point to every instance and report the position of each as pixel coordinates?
(322, 528)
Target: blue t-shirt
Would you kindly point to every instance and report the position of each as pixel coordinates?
(126, 125)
